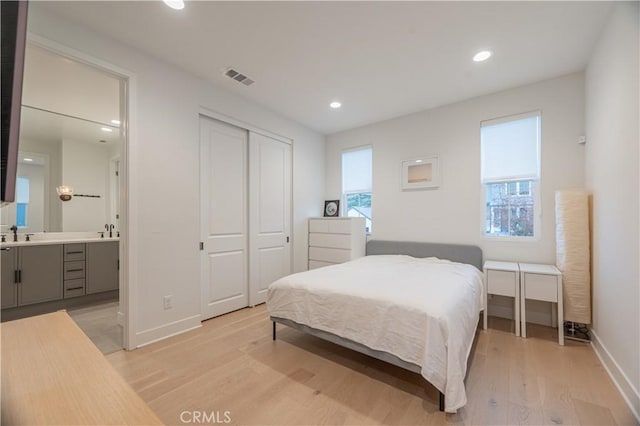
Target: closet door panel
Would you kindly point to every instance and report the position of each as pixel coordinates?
(270, 213)
(223, 191)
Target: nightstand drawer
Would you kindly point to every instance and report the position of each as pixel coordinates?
(541, 287)
(502, 283)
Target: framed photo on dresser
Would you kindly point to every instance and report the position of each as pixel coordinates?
(332, 208)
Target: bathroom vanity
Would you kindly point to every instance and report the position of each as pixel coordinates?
(57, 273)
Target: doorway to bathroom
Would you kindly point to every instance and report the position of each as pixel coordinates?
(70, 221)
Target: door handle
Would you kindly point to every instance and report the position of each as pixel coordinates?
(287, 238)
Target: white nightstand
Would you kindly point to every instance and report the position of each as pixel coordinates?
(502, 279)
(541, 282)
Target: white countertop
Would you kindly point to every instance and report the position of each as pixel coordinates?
(58, 238)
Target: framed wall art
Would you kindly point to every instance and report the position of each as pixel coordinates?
(420, 173)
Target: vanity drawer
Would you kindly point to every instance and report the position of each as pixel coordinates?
(73, 270)
(74, 252)
(73, 288)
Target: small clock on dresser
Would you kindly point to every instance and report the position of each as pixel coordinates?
(331, 208)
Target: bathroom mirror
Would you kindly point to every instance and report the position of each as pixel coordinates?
(70, 134)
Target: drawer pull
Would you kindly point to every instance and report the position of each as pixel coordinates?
(75, 252)
(75, 270)
(75, 288)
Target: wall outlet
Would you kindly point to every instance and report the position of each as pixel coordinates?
(168, 302)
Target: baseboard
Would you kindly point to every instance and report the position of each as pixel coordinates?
(620, 379)
(165, 331)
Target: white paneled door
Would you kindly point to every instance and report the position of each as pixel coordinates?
(270, 214)
(245, 185)
(223, 217)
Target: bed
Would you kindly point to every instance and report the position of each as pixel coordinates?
(414, 305)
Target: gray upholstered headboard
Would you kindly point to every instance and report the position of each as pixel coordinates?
(454, 252)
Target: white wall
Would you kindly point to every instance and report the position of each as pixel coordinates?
(612, 175)
(85, 167)
(452, 213)
(165, 166)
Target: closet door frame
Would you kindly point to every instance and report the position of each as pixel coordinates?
(212, 114)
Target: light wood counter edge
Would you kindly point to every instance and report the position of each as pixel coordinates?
(53, 374)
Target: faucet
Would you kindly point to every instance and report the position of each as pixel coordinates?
(110, 229)
(14, 229)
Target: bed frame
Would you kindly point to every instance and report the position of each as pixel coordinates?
(471, 255)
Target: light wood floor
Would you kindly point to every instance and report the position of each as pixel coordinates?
(231, 364)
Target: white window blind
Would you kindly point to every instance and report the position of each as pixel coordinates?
(356, 170)
(22, 190)
(510, 148)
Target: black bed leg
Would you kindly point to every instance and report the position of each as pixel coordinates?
(274, 330)
(441, 400)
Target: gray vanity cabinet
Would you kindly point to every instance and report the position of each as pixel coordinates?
(9, 284)
(102, 266)
(40, 274)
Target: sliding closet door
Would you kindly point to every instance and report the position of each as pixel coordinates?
(270, 214)
(223, 192)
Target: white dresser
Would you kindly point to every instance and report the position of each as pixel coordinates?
(335, 240)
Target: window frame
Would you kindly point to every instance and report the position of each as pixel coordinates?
(537, 215)
(535, 186)
(343, 196)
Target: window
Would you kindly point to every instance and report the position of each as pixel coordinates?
(22, 201)
(356, 184)
(510, 163)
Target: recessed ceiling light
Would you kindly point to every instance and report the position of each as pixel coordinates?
(175, 4)
(335, 104)
(482, 56)
(418, 161)
(106, 129)
(28, 159)
(116, 122)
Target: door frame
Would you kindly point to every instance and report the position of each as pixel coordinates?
(215, 115)
(128, 207)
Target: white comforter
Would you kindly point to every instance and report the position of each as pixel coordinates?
(424, 311)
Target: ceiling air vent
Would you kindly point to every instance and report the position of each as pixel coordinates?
(241, 78)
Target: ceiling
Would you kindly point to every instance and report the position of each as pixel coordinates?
(380, 59)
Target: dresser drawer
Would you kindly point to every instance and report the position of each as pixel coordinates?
(318, 225)
(541, 287)
(73, 270)
(315, 264)
(340, 226)
(73, 288)
(329, 255)
(331, 226)
(340, 241)
(74, 252)
(501, 283)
